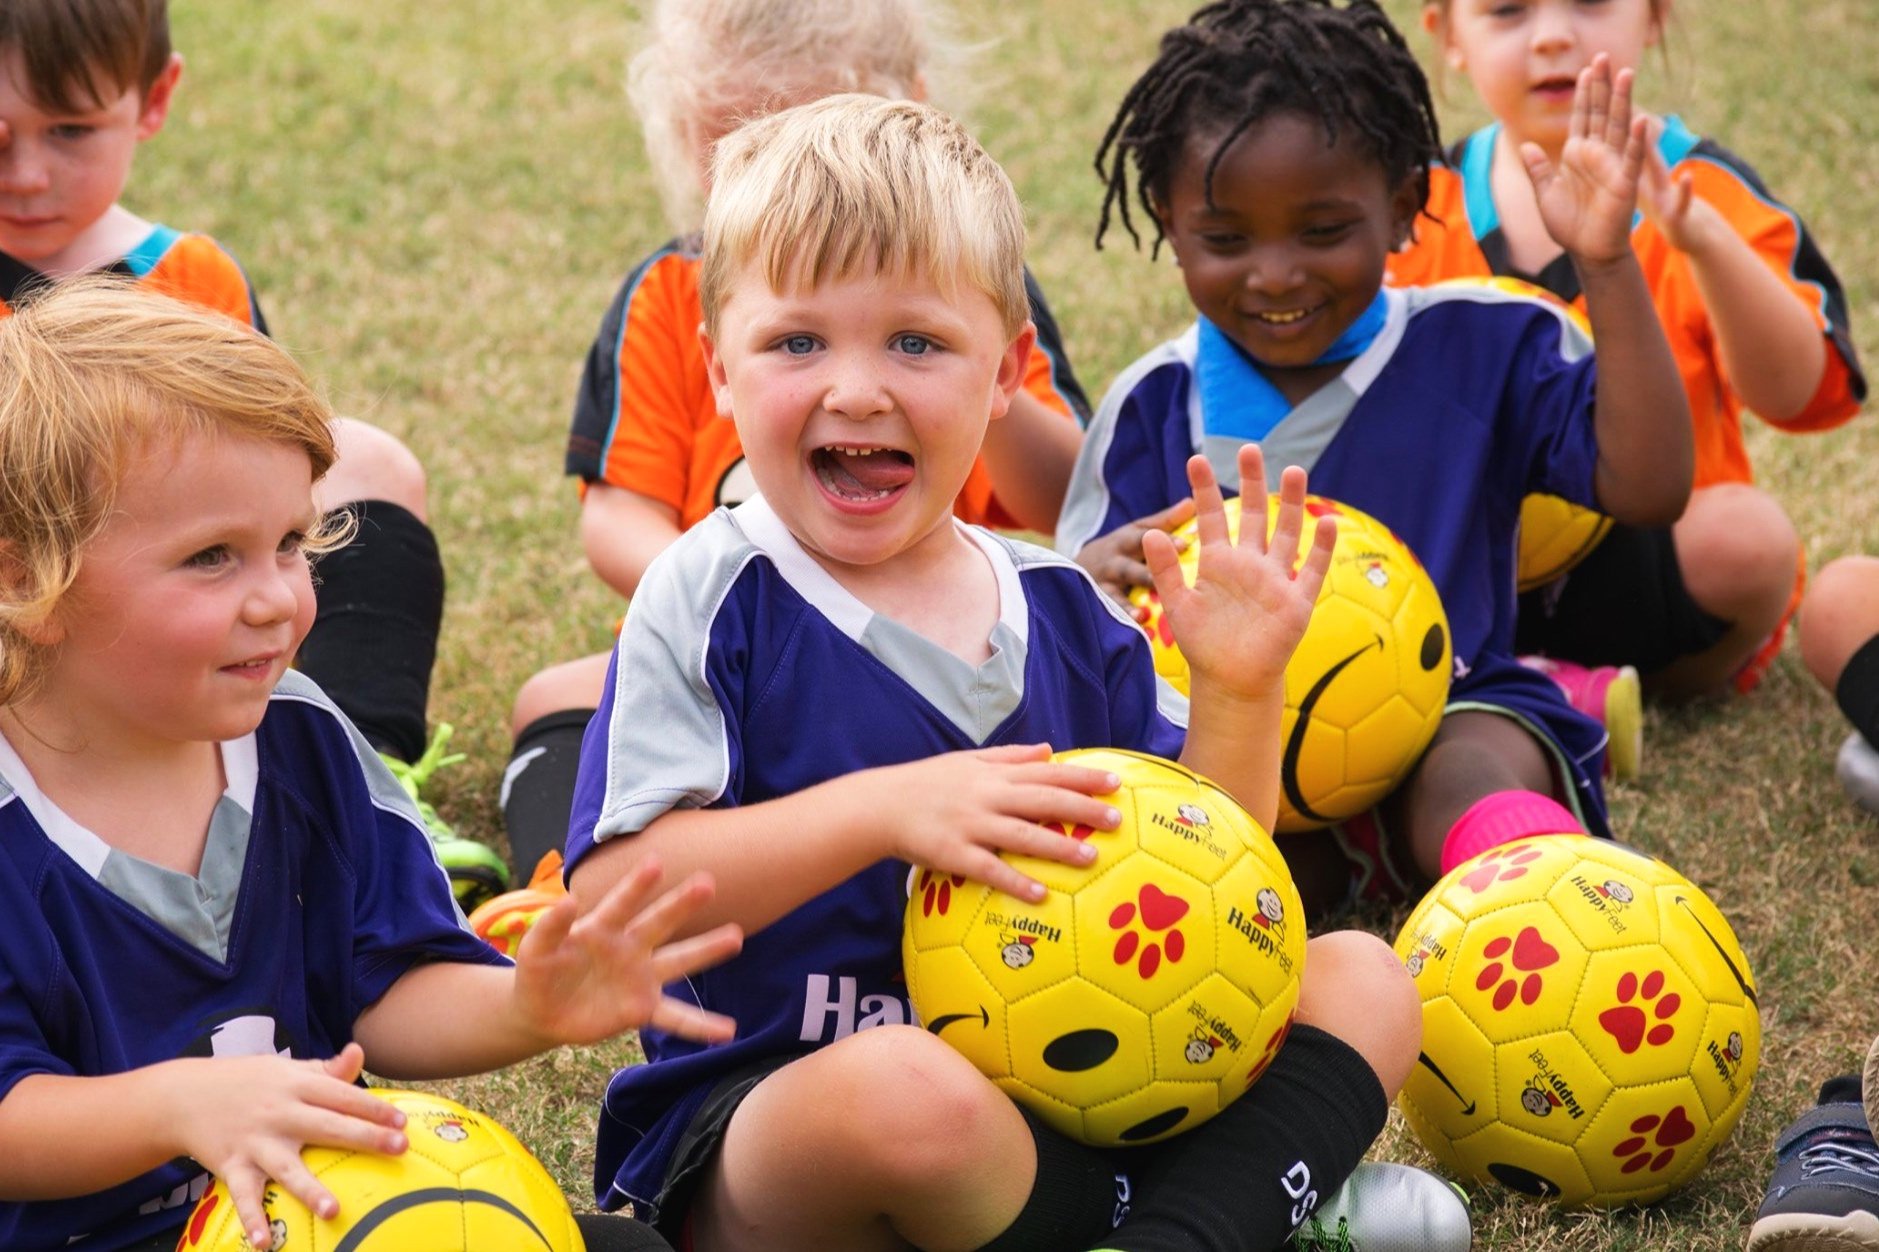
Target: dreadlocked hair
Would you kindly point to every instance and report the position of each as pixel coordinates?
(1238, 62)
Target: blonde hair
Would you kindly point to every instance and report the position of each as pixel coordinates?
(703, 58)
(91, 373)
(852, 183)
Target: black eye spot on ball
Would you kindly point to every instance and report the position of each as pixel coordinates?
(1525, 1181)
(1432, 647)
(1080, 1050)
(1159, 1124)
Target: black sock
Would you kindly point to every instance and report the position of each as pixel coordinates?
(1247, 1178)
(1857, 692)
(1842, 1089)
(609, 1232)
(538, 786)
(374, 637)
(1073, 1199)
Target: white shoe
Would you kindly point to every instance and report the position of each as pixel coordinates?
(1385, 1207)
(1858, 768)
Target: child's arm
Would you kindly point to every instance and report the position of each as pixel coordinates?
(581, 975)
(1029, 453)
(1238, 625)
(952, 813)
(243, 1119)
(1646, 460)
(622, 531)
(1772, 349)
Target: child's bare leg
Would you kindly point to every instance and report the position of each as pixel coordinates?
(1475, 754)
(1356, 988)
(886, 1139)
(1839, 616)
(373, 464)
(1736, 551)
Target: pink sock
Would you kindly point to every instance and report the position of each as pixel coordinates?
(1501, 817)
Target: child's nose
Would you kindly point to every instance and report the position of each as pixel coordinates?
(855, 390)
(1273, 271)
(1552, 26)
(274, 597)
(22, 171)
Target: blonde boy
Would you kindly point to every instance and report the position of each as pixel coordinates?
(837, 679)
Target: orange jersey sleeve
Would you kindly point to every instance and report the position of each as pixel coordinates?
(192, 268)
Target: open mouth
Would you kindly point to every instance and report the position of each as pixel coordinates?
(1282, 317)
(861, 475)
(1558, 85)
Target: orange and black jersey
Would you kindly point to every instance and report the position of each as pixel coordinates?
(645, 419)
(189, 267)
(1461, 237)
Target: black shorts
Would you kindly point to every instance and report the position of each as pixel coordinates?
(698, 1145)
(1625, 604)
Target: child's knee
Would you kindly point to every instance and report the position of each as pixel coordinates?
(1840, 613)
(925, 1082)
(569, 685)
(373, 464)
(1357, 989)
(1736, 550)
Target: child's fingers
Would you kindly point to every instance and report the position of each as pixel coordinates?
(1061, 810)
(1539, 166)
(1291, 519)
(688, 956)
(331, 1128)
(1253, 489)
(551, 928)
(1061, 775)
(1210, 516)
(1169, 518)
(1045, 843)
(657, 922)
(982, 865)
(1317, 563)
(347, 1066)
(688, 1021)
(1164, 566)
(1577, 122)
(355, 1104)
(246, 1185)
(284, 1166)
(1637, 146)
(1618, 122)
(1015, 752)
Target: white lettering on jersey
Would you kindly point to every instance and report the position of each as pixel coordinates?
(826, 1018)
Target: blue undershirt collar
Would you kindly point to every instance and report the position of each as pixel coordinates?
(1238, 400)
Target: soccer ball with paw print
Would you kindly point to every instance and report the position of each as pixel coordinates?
(1145, 992)
(1590, 1029)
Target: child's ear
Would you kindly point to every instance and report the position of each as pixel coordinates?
(1435, 23)
(16, 588)
(1405, 204)
(1660, 18)
(1011, 369)
(714, 371)
(156, 102)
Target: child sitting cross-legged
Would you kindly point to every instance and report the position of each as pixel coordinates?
(837, 679)
(220, 903)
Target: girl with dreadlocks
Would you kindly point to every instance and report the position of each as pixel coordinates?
(1282, 149)
(1757, 320)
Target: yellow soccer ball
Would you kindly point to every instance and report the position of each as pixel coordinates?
(1590, 1030)
(1145, 992)
(464, 1185)
(1364, 693)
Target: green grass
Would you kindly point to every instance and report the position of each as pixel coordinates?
(436, 205)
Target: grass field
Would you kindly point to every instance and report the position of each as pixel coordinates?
(437, 202)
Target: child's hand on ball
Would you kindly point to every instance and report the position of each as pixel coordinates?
(1248, 608)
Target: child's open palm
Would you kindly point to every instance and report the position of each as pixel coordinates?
(1239, 623)
(583, 977)
(1588, 198)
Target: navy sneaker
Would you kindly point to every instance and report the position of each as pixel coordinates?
(1824, 1196)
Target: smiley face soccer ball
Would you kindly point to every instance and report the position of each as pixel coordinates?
(464, 1185)
(1145, 992)
(1589, 1022)
(1365, 690)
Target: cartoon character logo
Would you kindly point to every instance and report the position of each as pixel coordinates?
(1376, 575)
(450, 1131)
(1019, 950)
(1536, 1101)
(1271, 908)
(1414, 964)
(1200, 1046)
(1733, 1048)
(1193, 815)
(1616, 891)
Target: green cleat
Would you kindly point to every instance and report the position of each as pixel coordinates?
(476, 871)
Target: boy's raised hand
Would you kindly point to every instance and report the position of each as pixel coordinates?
(583, 977)
(1588, 199)
(955, 812)
(1238, 625)
(246, 1118)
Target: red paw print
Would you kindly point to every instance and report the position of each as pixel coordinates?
(1159, 912)
(1076, 832)
(1500, 865)
(1528, 953)
(1272, 1050)
(1651, 1131)
(936, 891)
(1629, 1024)
(1158, 628)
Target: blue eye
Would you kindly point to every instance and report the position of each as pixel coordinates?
(799, 345)
(208, 558)
(912, 345)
